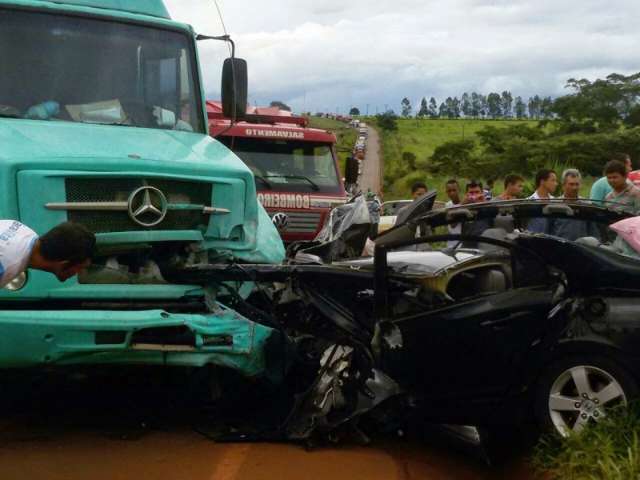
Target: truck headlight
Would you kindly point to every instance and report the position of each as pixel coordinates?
(17, 283)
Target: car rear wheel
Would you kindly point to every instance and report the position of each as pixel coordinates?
(580, 390)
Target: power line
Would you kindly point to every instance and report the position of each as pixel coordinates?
(224, 27)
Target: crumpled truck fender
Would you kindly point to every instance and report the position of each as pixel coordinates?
(150, 337)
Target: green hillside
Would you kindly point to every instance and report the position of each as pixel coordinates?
(420, 138)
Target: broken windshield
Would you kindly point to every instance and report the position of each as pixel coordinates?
(288, 166)
(56, 67)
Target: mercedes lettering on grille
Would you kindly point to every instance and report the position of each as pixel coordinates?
(147, 206)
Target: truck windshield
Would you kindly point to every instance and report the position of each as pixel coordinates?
(57, 67)
(281, 165)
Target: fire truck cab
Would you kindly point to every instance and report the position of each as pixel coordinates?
(295, 167)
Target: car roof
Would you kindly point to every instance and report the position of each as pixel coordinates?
(558, 208)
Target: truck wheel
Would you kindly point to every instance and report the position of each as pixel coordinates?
(578, 390)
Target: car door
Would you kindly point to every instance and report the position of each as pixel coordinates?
(471, 349)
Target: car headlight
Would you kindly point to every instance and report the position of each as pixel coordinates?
(17, 283)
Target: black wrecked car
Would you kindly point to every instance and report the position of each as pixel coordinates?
(504, 327)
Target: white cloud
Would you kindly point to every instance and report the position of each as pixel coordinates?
(326, 54)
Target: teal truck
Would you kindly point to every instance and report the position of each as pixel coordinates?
(103, 122)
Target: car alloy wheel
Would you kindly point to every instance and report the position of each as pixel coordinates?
(583, 394)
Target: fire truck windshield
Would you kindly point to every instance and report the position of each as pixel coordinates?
(294, 166)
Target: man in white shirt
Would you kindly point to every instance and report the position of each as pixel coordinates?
(546, 185)
(63, 251)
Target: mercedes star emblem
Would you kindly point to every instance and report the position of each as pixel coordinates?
(147, 206)
(281, 221)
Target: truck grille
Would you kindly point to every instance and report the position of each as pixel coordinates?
(104, 190)
(302, 222)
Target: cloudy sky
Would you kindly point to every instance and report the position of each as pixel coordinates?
(323, 55)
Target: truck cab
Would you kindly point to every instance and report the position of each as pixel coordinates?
(103, 122)
(295, 167)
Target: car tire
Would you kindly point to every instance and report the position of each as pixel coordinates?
(580, 389)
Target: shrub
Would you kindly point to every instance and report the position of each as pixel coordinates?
(608, 450)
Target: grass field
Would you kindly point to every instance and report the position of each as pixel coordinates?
(421, 137)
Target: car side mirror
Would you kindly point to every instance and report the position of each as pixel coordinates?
(351, 170)
(417, 208)
(235, 87)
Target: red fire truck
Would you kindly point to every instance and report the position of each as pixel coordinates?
(295, 167)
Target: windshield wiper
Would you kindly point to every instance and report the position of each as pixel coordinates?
(264, 180)
(313, 184)
(118, 124)
(9, 112)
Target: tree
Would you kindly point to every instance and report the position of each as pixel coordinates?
(455, 107)
(507, 104)
(535, 104)
(355, 111)
(466, 105)
(546, 107)
(476, 104)
(443, 111)
(406, 107)
(409, 161)
(600, 104)
(449, 105)
(494, 105)
(520, 108)
(453, 157)
(433, 108)
(484, 106)
(387, 121)
(424, 108)
(280, 105)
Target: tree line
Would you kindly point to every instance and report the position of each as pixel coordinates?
(479, 106)
(582, 129)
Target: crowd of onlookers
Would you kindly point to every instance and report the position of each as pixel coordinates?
(615, 188)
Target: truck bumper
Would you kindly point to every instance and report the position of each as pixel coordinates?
(150, 337)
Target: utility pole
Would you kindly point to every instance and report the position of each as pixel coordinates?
(367, 109)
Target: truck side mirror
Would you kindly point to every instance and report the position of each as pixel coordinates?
(235, 86)
(351, 170)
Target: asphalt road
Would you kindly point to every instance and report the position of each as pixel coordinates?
(111, 431)
(371, 178)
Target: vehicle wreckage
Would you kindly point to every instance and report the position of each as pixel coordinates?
(189, 271)
(504, 328)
